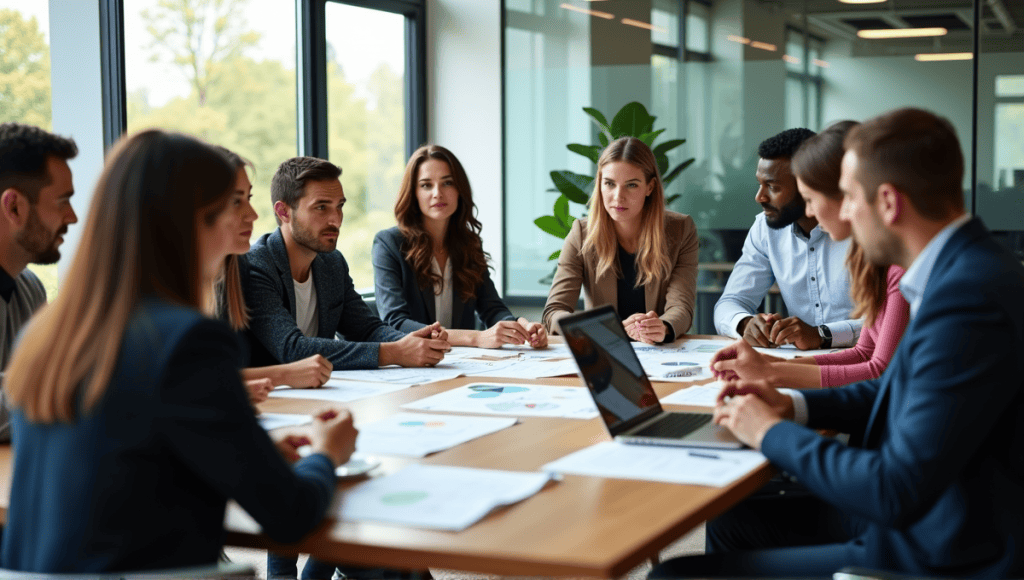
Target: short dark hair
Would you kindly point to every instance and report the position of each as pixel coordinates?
(24, 151)
(918, 153)
(289, 182)
(783, 145)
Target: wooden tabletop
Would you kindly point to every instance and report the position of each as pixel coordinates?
(581, 526)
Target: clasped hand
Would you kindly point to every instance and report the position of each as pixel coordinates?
(519, 331)
(750, 408)
(769, 330)
(646, 328)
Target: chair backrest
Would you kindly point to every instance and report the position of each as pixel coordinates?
(221, 570)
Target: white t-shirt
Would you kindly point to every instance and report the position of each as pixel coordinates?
(305, 307)
(443, 301)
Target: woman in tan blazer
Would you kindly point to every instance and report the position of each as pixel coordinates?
(631, 252)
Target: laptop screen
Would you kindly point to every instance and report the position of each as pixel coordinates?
(610, 368)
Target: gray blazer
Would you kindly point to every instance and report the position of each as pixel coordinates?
(274, 336)
(404, 305)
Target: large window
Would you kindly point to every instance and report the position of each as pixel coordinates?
(25, 80)
(750, 69)
(366, 123)
(221, 71)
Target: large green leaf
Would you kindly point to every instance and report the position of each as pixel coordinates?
(649, 138)
(551, 225)
(554, 255)
(562, 210)
(591, 152)
(598, 117)
(603, 138)
(667, 146)
(675, 172)
(631, 120)
(671, 198)
(573, 185)
(662, 161)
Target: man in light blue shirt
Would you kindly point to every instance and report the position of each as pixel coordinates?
(786, 247)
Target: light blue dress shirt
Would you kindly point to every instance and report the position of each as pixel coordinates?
(912, 286)
(811, 274)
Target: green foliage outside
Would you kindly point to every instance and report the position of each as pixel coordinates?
(25, 90)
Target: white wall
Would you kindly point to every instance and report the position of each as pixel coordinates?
(464, 103)
(77, 103)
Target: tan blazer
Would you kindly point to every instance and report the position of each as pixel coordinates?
(672, 299)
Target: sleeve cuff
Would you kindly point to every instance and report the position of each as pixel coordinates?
(735, 323)
(843, 333)
(800, 414)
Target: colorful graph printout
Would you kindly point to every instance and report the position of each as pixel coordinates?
(510, 399)
(420, 434)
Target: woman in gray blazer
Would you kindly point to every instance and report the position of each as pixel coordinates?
(432, 266)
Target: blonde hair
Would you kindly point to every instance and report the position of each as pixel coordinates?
(652, 260)
(142, 240)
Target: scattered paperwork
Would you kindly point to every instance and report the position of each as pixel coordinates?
(400, 375)
(715, 468)
(437, 497)
(790, 351)
(420, 434)
(697, 395)
(339, 391)
(512, 399)
(271, 421)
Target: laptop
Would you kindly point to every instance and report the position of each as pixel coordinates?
(627, 403)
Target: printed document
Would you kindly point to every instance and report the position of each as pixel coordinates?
(511, 399)
(697, 395)
(420, 434)
(339, 391)
(437, 497)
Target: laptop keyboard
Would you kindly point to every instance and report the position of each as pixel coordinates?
(674, 425)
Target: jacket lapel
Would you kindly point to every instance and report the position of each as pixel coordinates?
(428, 302)
(327, 318)
(279, 254)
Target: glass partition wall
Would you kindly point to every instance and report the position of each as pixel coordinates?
(725, 75)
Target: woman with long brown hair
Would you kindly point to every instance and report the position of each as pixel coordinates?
(874, 289)
(127, 403)
(312, 371)
(630, 252)
(432, 266)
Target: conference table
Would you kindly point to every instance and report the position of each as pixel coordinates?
(579, 526)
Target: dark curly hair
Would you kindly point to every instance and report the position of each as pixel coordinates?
(24, 150)
(783, 145)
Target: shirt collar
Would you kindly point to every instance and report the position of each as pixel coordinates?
(914, 281)
(798, 233)
(6, 285)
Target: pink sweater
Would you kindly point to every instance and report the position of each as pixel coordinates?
(876, 345)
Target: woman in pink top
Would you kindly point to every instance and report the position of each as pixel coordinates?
(874, 289)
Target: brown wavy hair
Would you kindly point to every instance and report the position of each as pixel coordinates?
(462, 239)
(818, 164)
(229, 300)
(652, 260)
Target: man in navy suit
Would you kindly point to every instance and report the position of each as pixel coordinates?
(299, 291)
(932, 482)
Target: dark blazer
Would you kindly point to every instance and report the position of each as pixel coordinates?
(141, 481)
(405, 306)
(274, 336)
(937, 473)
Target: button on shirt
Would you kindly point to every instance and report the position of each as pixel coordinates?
(811, 274)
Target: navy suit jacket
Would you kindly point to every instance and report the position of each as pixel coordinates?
(405, 306)
(936, 466)
(274, 335)
(141, 480)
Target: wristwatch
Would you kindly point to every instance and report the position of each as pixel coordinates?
(826, 336)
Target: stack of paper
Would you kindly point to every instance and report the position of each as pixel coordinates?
(697, 395)
(339, 391)
(654, 463)
(419, 434)
(271, 421)
(510, 399)
(437, 497)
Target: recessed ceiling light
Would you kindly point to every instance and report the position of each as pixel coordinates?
(937, 56)
(901, 32)
(739, 39)
(595, 13)
(640, 24)
(861, 1)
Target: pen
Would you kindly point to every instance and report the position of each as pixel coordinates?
(704, 455)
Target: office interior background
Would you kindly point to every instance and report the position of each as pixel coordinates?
(503, 84)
